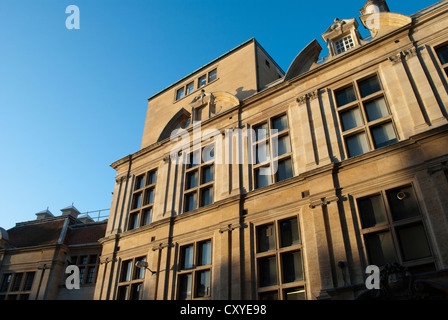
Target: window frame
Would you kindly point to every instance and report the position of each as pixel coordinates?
(132, 280)
(200, 186)
(195, 84)
(392, 226)
(86, 267)
(145, 191)
(195, 270)
(278, 252)
(22, 292)
(360, 104)
(444, 66)
(341, 40)
(268, 141)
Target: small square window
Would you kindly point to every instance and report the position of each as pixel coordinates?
(179, 93)
(212, 76)
(202, 81)
(190, 88)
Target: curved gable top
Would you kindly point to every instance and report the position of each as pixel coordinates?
(384, 22)
(180, 120)
(304, 60)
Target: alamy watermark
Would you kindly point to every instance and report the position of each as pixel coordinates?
(73, 21)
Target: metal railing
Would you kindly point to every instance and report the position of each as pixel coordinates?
(97, 215)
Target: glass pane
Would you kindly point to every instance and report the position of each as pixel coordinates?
(152, 177)
(265, 238)
(284, 170)
(280, 123)
(371, 211)
(208, 174)
(83, 260)
(357, 145)
(205, 253)
(180, 94)
(345, 96)
(82, 270)
(267, 271)
(403, 203)
(206, 197)
(212, 75)
(269, 295)
(384, 135)
(28, 281)
(190, 88)
(93, 259)
(139, 273)
(203, 288)
(282, 146)
(443, 54)
(376, 109)
(262, 151)
(289, 232)
(192, 179)
(136, 291)
(122, 292)
(17, 281)
(133, 221)
(369, 86)
(202, 81)
(194, 159)
(380, 248)
(413, 242)
(187, 257)
(292, 267)
(263, 177)
(149, 196)
(190, 201)
(90, 275)
(137, 203)
(261, 131)
(294, 294)
(351, 119)
(185, 286)
(126, 270)
(139, 182)
(147, 216)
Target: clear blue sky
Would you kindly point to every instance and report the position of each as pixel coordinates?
(74, 101)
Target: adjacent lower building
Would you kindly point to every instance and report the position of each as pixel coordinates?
(34, 256)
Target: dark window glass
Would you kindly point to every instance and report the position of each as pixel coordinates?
(187, 254)
(149, 196)
(403, 203)
(263, 177)
(266, 238)
(289, 232)
(372, 211)
(202, 81)
(376, 109)
(179, 93)
(208, 174)
(261, 131)
(205, 253)
(345, 96)
(185, 286)
(136, 291)
(28, 281)
(280, 123)
(351, 119)
(284, 170)
(126, 270)
(133, 221)
(122, 292)
(139, 182)
(17, 281)
(262, 152)
(203, 284)
(357, 145)
(283, 146)
(93, 259)
(442, 52)
(369, 86)
(413, 242)
(190, 88)
(292, 266)
(147, 216)
(380, 248)
(152, 177)
(206, 196)
(137, 202)
(191, 201)
(269, 295)
(267, 271)
(90, 275)
(384, 135)
(192, 180)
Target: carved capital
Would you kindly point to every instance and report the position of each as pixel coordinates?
(308, 96)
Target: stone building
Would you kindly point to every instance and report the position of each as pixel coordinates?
(255, 183)
(34, 256)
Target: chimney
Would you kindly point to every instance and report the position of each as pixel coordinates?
(70, 211)
(4, 238)
(44, 214)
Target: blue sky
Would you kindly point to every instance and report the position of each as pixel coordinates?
(74, 101)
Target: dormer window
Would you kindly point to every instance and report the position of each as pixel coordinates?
(344, 44)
